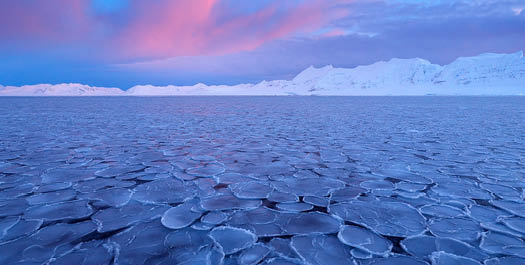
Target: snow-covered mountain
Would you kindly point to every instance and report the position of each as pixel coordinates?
(485, 74)
(59, 90)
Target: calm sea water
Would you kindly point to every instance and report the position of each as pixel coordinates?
(278, 180)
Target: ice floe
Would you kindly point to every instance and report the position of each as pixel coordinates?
(321, 249)
(386, 218)
(228, 202)
(232, 239)
(180, 216)
(424, 246)
(457, 228)
(60, 211)
(365, 240)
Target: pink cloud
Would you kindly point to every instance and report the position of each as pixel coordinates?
(250, 31)
(191, 27)
(167, 28)
(161, 28)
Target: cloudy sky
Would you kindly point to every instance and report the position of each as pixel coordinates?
(127, 42)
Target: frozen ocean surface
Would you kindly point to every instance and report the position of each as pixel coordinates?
(262, 180)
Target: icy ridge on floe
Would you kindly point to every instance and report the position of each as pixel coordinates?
(485, 74)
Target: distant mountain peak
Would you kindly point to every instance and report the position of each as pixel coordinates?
(485, 74)
(312, 73)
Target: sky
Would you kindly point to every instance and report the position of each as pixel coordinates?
(121, 43)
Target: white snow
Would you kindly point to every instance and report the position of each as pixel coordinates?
(485, 74)
(71, 89)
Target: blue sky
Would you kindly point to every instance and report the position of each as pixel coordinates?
(127, 42)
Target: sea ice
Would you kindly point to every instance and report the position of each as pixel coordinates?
(228, 202)
(444, 258)
(60, 211)
(163, 191)
(253, 255)
(361, 254)
(515, 223)
(54, 187)
(504, 192)
(365, 240)
(411, 187)
(424, 246)
(510, 206)
(114, 171)
(316, 181)
(483, 213)
(140, 243)
(505, 261)
(398, 260)
(113, 197)
(251, 190)
(232, 239)
(442, 210)
(465, 190)
(457, 228)
(500, 228)
(497, 243)
(7, 223)
(294, 207)
(311, 223)
(214, 218)
(317, 201)
(90, 253)
(321, 249)
(20, 228)
(13, 207)
(282, 248)
(377, 185)
(208, 170)
(304, 187)
(101, 183)
(51, 197)
(50, 240)
(349, 193)
(67, 175)
(385, 218)
(111, 219)
(277, 196)
(17, 191)
(279, 261)
(180, 216)
(187, 246)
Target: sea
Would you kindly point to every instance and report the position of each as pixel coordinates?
(262, 180)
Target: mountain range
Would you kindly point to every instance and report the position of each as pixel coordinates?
(485, 74)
